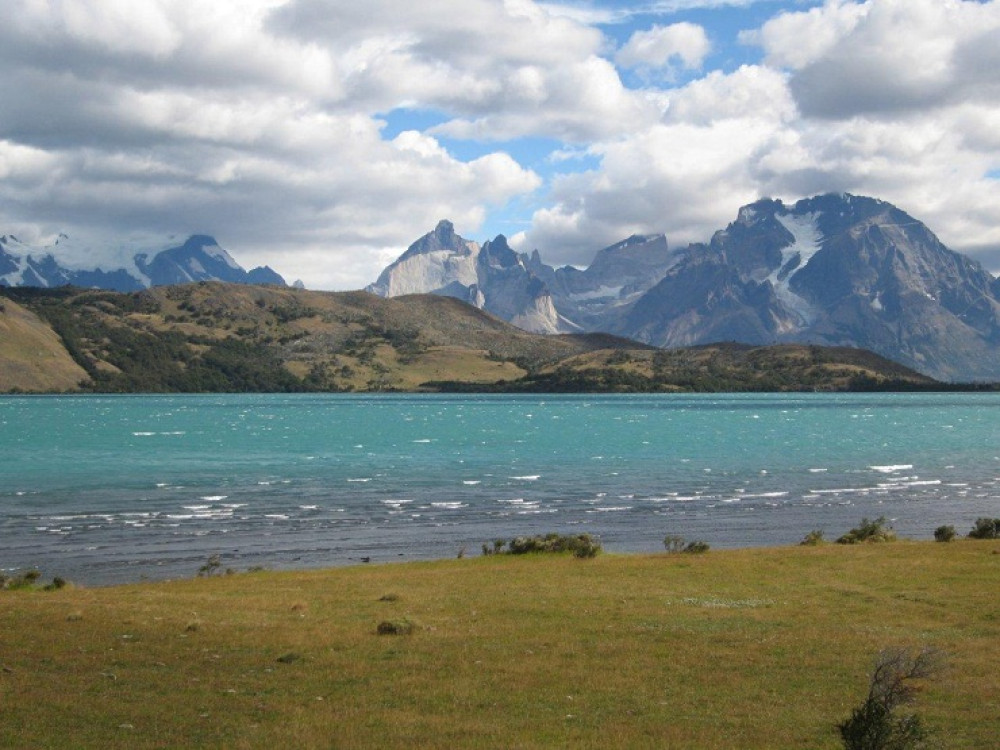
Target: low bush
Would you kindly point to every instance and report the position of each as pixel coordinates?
(581, 545)
(25, 580)
(944, 533)
(395, 627)
(986, 528)
(812, 539)
(212, 566)
(869, 532)
(674, 543)
(696, 548)
(875, 725)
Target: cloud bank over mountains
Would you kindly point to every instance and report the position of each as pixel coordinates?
(321, 136)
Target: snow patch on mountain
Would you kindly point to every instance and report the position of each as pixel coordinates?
(124, 265)
(604, 292)
(807, 240)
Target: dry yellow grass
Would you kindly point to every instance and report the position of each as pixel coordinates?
(763, 648)
(32, 358)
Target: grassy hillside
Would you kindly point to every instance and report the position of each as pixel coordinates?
(32, 356)
(760, 648)
(224, 337)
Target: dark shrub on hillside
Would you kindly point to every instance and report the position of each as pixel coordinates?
(812, 539)
(869, 531)
(986, 528)
(581, 545)
(395, 627)
(875, 724)
(696, 548)
(944, 533)
(673, 543)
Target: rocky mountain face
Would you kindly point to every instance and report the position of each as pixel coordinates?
(836, 270)
(491, 277)
(521, 288)
(833, 270)
(198, 258)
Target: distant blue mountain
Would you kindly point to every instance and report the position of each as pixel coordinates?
(198, 258)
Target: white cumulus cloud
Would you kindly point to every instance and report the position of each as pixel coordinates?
(685, 44)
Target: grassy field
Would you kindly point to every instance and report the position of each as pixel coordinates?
(758, 648)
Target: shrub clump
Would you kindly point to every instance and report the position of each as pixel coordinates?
(581, 545)
(812, 539)
(869, 532)
(29, 579)
(395, 627)
(944, 533)
(986, 528)
(212, 566)
(677, 544)
(875, 725)
(696, 547)
(673, 543)
(25, 580)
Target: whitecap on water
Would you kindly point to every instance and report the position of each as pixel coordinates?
(529, 478)
(611, 509)
(891, 468)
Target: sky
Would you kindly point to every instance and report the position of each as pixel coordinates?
(322, 137)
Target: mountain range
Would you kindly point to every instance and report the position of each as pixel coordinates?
(832, 270)
(68, 262)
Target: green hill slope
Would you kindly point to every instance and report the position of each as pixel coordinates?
(225, 337)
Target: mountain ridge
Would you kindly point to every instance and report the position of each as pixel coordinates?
(136, 266)
(833, 270)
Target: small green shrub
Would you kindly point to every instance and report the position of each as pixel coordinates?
(673, 543)
(869, 532)
(986, 528)
(395, 627)
(25, 580)
(696, 548)
(212, 566)
(813, 538)
(944, 533)
(874, 724)
(581, 545)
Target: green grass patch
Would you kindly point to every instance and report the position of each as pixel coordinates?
(760, 648)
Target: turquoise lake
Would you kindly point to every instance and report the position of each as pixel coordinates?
(108, 489)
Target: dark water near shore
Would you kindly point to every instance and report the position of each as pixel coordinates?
(106, 489)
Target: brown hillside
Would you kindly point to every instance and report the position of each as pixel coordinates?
(230, 337)
(32, 357)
